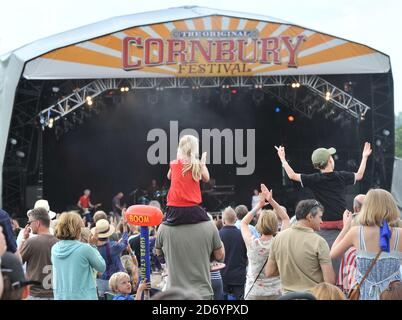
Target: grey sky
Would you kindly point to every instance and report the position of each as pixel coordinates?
(374, 23)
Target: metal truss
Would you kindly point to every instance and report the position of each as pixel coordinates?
(315, 84)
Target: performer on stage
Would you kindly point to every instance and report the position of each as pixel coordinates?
(185, 173)
(85, 204)
(117, 207)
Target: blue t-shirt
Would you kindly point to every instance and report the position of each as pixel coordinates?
(5, 222)
(123, 297)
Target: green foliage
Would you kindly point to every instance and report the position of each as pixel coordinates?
(398, 142)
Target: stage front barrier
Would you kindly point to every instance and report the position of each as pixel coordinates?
(145, 217)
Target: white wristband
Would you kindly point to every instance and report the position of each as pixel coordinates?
(284, 163)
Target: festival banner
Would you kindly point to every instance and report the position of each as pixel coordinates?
(208, 47)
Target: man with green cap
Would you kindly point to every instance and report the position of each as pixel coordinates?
(328, 186)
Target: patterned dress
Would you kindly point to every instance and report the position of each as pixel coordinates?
(257, 253)
(386, 269)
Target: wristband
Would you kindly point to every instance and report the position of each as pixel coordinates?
(254, 211)
(284, 163)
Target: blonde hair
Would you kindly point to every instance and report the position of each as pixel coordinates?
(327, 291)
(378, 205)
(85, 235)
(267, 223)
(229, 216)
(69, 226)
(116, 278)
(188, 150)
(131, 268)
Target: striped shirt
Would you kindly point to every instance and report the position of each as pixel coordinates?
(347, 270)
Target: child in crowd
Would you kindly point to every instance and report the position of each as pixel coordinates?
(120, 285)
(185, 173)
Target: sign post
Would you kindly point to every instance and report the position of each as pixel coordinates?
(145, 217)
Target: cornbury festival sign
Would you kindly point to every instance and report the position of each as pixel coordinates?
(211, 52)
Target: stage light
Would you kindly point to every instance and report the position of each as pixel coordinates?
(55, 89)
(20, 154)
(89, 98)
(126, 89)
(386, 132)
(122, 89)
(328, 96)
(13, 141)
(258, 86)
(291, 118)
(50, 124)
(90, 102)
(295, 85)
(234, 91)
(277, 109)
(378, 143)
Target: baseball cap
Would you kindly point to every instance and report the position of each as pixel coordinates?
(320, 156)
(12, 268)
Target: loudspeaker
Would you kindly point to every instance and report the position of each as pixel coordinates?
(32, 193)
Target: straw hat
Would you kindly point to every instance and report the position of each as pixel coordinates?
(104, 229)
(42, 203)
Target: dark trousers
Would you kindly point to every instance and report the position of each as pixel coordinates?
(217, 286)
(233, 291)
(330, 236)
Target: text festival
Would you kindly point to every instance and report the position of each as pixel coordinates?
(226, 55)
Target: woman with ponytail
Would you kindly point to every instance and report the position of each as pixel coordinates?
(185, 173)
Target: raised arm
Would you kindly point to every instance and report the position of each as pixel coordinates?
(282, 215)
(244, 225)
(204, 169)
(366, 153)
(289, 171)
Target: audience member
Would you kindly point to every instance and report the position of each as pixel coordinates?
(111, 251)
(376, 241)
(234, 273)
(258, 286)
(299, 255)
(36, 253)
(74, 261)
(327, 291)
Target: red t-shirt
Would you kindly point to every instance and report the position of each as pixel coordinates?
(184, 191)
(84, 201)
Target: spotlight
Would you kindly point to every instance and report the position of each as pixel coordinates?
(378, 142)
(277, 109)
(291, 118)
(126, 89)
(234, 91)
(328, 96)
(88, 98)
(90, 102)
(122, 89)
(20, 154)
(386, 132)
(50, 124)
(55, 89)
(13, 141)
(295, 85)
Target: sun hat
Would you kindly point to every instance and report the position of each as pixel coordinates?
(320, 156)
(104, 229)
(42, 203)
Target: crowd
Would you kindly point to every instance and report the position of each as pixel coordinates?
(325, 253)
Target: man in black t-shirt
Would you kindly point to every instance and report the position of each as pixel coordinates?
(328, 186)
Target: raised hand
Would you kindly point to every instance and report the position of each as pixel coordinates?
(367, 150)
(265, 191)
(203, 158)
(347, 219)
(281, 152)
